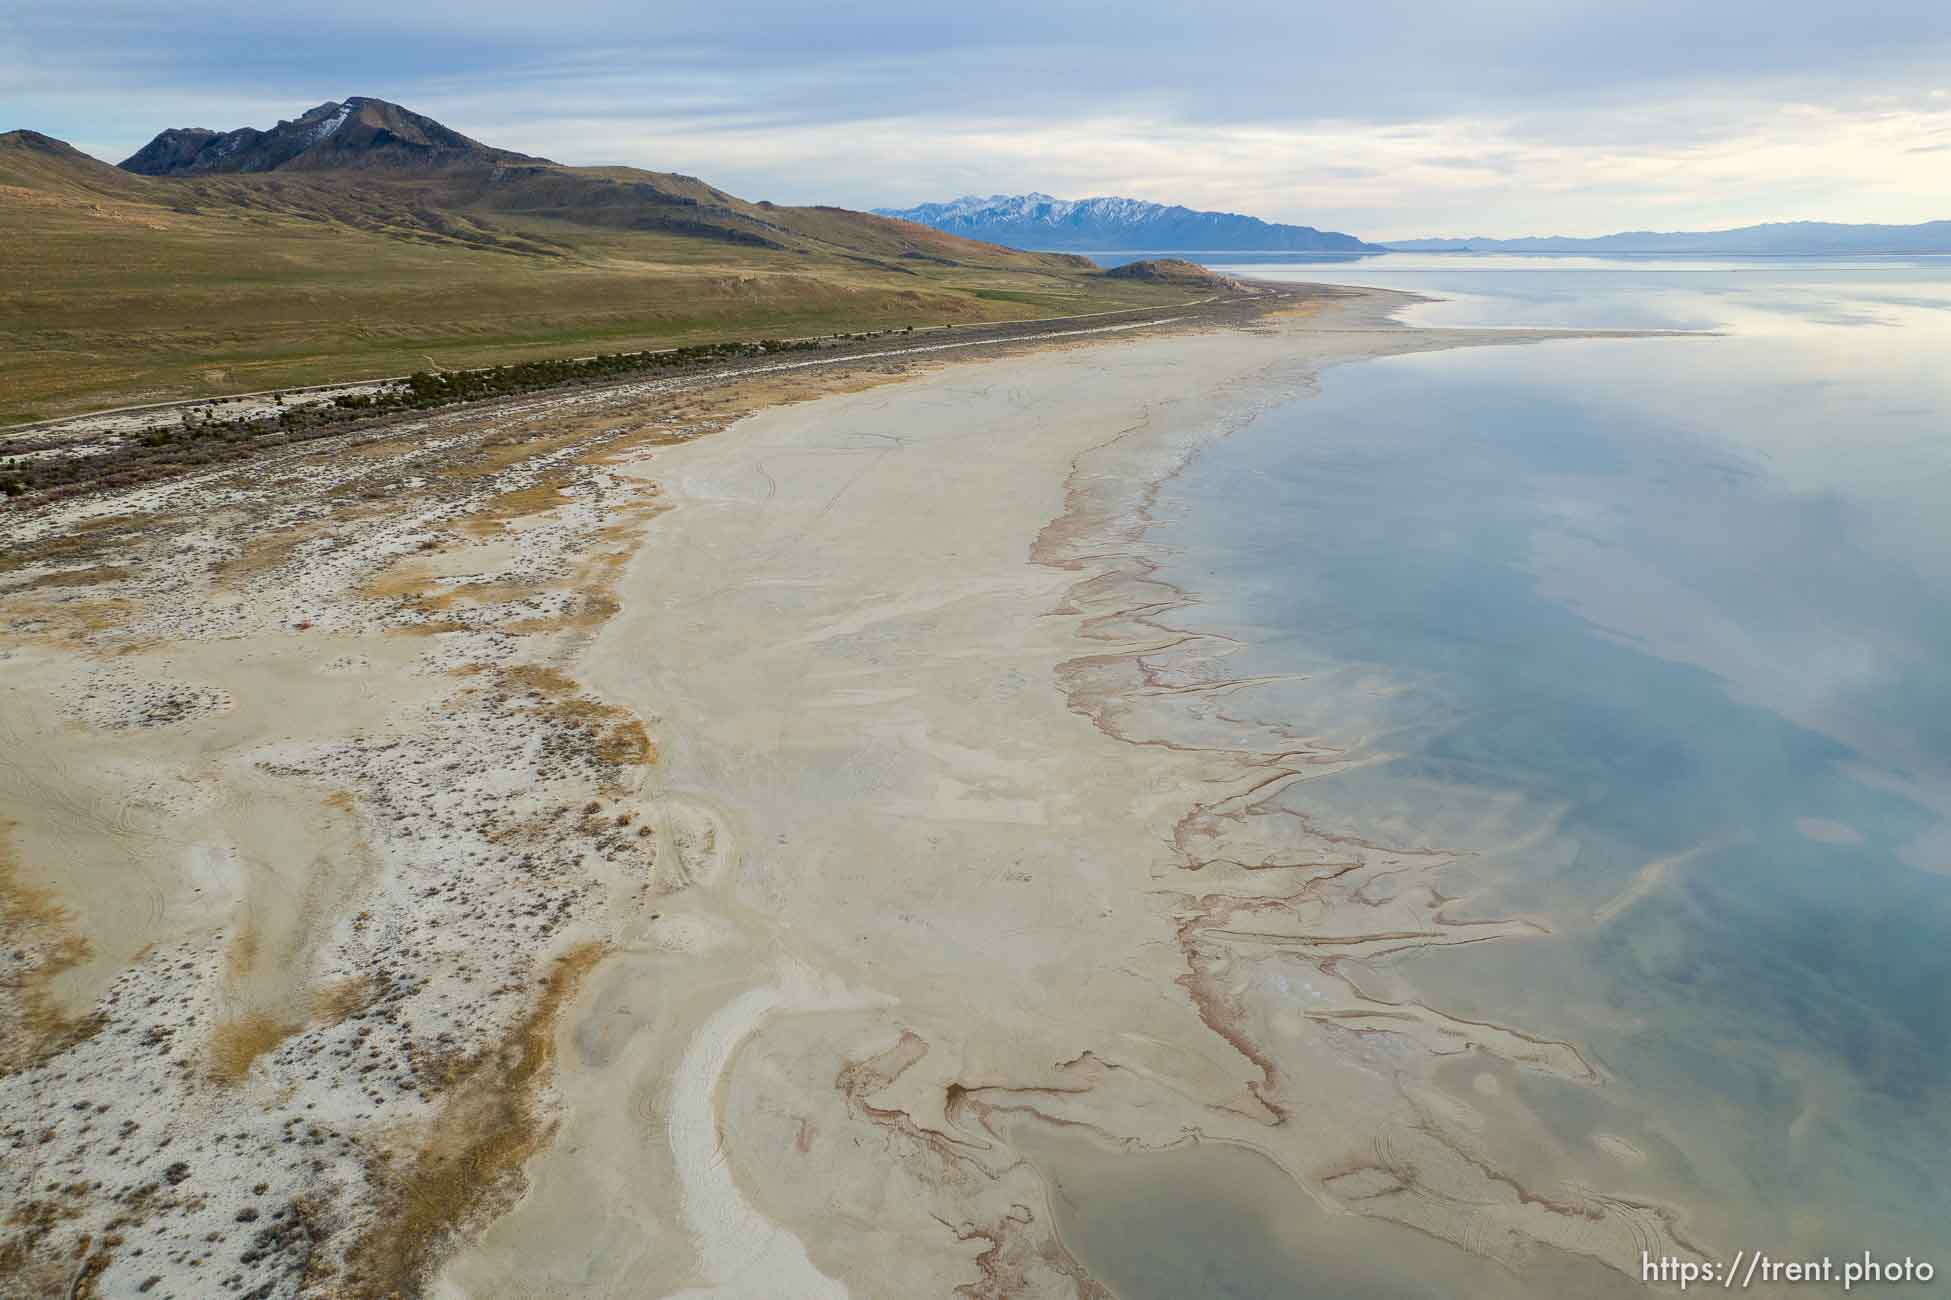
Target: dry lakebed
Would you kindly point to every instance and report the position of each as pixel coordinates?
(756, 837)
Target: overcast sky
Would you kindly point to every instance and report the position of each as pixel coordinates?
(1385, 118)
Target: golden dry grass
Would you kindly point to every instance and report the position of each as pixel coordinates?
(615, 736)
(626, 744)
(539, 678)
(84, 617)
(517, 503)
(513, 449)
(341, 999)
(1310, 307)
(266, 551)
(236, 1044)
(77, 578)
(262, 552)
(81, 541)
(428, 629)
(430, 594)
(33, 1026)
(469, 1163)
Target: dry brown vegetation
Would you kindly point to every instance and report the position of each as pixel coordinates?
(540, 678)
(341, 999)
(614, 735)
(27, 1268)
(627, 744)
(516, 504)
(41, 940)
(84, 541)
(429, 594)
(263, 552)
(471, 1157)
(77, 577)
(236, 1044)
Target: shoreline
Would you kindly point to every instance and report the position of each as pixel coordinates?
(1061, 597)
(490, 619)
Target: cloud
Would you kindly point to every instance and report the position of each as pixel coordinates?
(1450, 175)
(1390, 118)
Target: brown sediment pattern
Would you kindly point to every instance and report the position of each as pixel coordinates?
(1300, 894)
(950, 899)
(1021, 1255)
(1117, 917)
(1263, 897)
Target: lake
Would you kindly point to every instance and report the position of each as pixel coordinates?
(1658, 633)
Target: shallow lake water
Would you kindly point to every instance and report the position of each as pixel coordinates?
(1657, 633)
(1217, 1222)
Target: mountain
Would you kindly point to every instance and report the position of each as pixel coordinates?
(1784, 238)
(361, 238)
(1113, 224)
(380, 165)
(357, 132)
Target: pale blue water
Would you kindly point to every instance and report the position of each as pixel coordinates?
(1650, 599)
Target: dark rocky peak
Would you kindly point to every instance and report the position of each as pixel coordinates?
(359, 132)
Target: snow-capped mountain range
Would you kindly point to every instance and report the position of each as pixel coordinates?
(1039, 221)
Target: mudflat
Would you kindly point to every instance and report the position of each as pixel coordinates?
(551, 851)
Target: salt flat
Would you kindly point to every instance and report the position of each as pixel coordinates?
(571, 854)
(904, 643)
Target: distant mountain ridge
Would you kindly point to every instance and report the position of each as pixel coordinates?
(361, 238)
(1781, 238)
(355, 132)
(1110, 224)
(370, 164)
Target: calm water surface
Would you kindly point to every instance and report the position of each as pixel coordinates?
(1665, 631)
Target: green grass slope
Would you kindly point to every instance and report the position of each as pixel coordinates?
(117, 288)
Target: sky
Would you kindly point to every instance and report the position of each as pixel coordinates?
(1384, 118)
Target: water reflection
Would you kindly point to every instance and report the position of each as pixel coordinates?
(1679, 609)
(1216, 1222)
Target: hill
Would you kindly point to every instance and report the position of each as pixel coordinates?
(313, 252)
(1115, 224)
(36, 164)
(1779, 239)
(1172, 270)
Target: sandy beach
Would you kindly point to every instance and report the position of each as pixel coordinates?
(709, 840)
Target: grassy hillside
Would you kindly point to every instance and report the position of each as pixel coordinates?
(117, 288)
(1172, 270)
